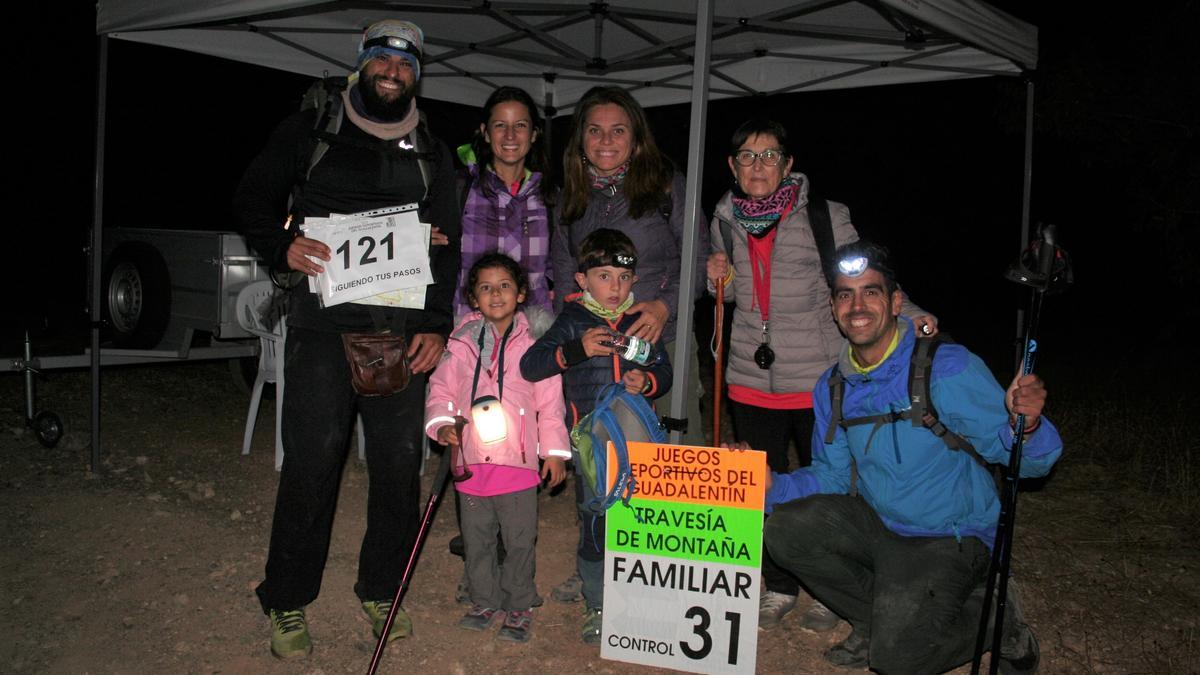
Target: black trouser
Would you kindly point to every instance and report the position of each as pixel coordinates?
(773, 431)
(916, 595)
(319, 407)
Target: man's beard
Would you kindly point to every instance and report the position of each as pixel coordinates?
(384, 110)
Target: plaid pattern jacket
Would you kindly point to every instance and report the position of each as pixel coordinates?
(516, 225)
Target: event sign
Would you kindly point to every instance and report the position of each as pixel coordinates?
(375, 258)
(682, 559)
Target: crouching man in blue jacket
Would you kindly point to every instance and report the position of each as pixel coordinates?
(891, 526)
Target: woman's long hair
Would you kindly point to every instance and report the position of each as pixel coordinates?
(536, 160)
(649, 175)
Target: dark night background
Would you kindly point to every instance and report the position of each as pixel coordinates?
(934, 171)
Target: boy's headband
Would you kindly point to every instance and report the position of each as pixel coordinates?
(622, 260)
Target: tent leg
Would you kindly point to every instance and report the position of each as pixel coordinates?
(1026, 191)
(691, 212)
(94, 249)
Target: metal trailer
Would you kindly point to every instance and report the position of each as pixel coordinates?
(167, 296)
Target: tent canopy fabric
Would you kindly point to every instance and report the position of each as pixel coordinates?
(557, 50)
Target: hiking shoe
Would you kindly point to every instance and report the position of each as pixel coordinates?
(1020, 657)
(289, 634)
(819, 619)
(1019, 651)
(478, 618)
(853, 652)
(570, 590)
(593, 624)
(772, 607)
(377, 612)
(518, 627)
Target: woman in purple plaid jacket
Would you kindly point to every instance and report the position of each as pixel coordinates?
(505, 209)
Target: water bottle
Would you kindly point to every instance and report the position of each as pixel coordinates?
(632, 348)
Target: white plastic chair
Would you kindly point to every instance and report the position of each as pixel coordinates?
(260, 312)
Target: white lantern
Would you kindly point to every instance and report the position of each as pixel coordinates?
(488, 419)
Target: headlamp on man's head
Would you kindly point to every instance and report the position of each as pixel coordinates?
(394, 43)
(853, 266)
(855, 258)
(402, 38)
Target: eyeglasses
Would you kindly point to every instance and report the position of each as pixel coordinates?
(769, 157)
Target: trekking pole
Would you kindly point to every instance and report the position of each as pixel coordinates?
(1052, 267)
(719, 355)
(439, 484)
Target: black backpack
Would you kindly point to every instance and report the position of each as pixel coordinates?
(921, 412)
(325, 95)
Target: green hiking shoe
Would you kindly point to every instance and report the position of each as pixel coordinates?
(593, 624)
(289, 634)
(377, 611)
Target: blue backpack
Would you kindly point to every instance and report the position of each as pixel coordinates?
(621, 417)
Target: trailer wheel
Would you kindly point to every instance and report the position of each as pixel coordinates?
(48, 428)
(137, 297)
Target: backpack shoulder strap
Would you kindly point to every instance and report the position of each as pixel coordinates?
(423, 145)
(922, 411)
(332, 118)
(726, 237)
(837, 388)
(327, 96)
(919, 369)
(821, 223)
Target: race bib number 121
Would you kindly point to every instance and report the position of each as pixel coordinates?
(371, 255)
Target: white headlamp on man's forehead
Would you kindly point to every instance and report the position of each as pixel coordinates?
(853, 267)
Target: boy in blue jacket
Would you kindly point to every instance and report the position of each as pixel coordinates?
(579, 346)
(890, 527)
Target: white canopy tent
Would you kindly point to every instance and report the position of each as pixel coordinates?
(757, 47)
(671, 51)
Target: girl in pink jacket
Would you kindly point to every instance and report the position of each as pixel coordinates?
(511, 423)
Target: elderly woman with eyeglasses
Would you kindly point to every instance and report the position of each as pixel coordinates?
(783, 335)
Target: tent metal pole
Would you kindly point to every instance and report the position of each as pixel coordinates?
(1026, 188)
(1027, 185)
(548, 112)
(95, 254)
(691, 213)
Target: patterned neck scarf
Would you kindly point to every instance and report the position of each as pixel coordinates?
(757, 216)
(603, 312)
(602, 182)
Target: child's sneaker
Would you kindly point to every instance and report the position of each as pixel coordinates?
(518, 627)
(478, 618)
(593, 624)
(289, 634)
